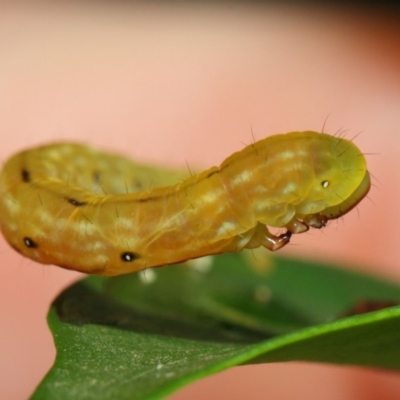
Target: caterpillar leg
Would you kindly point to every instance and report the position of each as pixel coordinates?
(313, 220)
(254, 238)
(297, 226)
(261, 236)
(316, 220)
(273, 242)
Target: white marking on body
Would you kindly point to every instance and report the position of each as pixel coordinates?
(291, 187)
(242, 242)
(45, 217)
(60, 224)
(212, 196)
(244, 176)
(98, 245)
(287, 155)
(13, 206)
(12, 227)
(53, 155)
(76, 226)
(37, 232)
(226, 228)
(124, 223)
(91, 246)
(174, 221)
(260, 189)
(262, 205)
(221, 209)
(100, 259)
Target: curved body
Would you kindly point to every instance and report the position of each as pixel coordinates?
(70, 205)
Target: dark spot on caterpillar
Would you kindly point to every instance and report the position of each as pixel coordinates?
(97, 177)
(77, 203)
(325, 184)
(30, 243)
(26, 176)
(129, 256)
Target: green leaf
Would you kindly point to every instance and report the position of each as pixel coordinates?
(119, 338)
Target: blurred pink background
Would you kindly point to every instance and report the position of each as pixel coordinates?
(189, 83)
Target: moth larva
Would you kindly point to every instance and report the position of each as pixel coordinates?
(68, 205)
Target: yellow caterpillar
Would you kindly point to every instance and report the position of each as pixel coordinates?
(73, 206)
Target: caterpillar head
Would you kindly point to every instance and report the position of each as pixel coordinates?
(340, 177)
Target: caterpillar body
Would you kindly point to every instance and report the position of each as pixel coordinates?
(67, 204)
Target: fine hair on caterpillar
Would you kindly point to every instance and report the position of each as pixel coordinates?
(82, 209)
